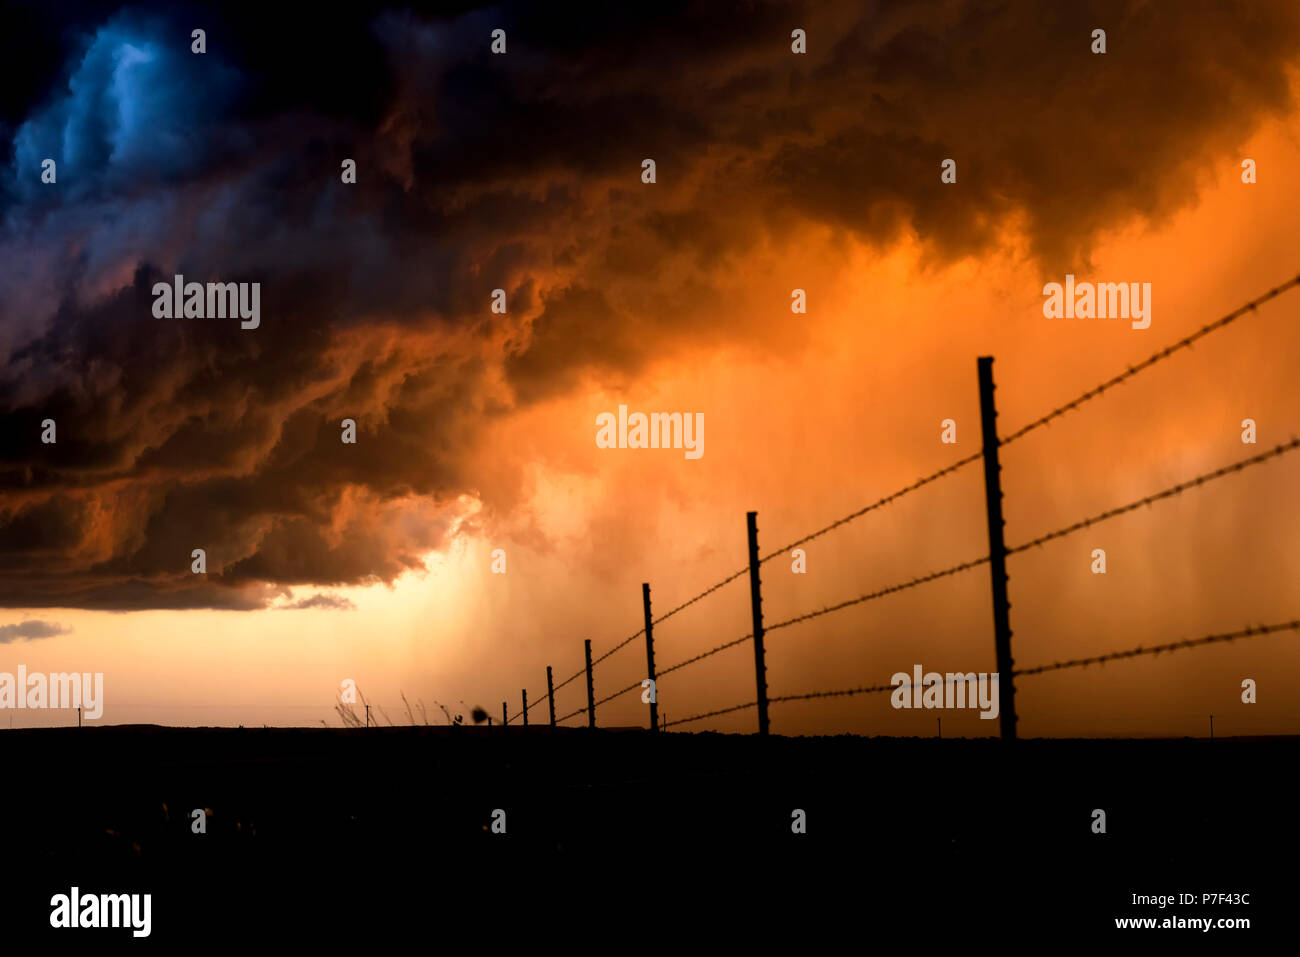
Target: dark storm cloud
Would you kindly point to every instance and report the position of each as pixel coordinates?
(477, 172)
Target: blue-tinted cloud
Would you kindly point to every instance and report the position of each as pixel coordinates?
(137, 109)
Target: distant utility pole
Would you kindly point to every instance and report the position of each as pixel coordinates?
(504, 719)
(550, 693)
(367, 716)
(78, 716)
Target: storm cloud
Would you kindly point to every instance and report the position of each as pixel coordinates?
(520, 172)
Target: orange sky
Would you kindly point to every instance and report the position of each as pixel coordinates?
(815, 417)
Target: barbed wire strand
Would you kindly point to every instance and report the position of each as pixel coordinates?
(926, 480)
(1172, 646)
(535, 702)
(570, 678)
(579, 674)
(1074, 527)
(704, 594)
(710, 714)
(595, 661)
(671, 668)
(711, 651)
(1056, 413)
(1249, 631)
(1160, 649)
(1185, 342)
(911, 583)
(617, 693)
(800, 697)
(870, 689)
(624, 642)
(832, 694)
(880, 503)
(1157, 496)
(1151, 360)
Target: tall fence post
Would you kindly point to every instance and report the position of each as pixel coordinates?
(524, 693)
(997, 550)
(756, 604)
(505, 718)
(550, 693)
(591, 688)
(650, 657)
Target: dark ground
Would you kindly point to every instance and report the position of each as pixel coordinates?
(624, 839)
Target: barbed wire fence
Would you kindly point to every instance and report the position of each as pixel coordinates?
(997, 555)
